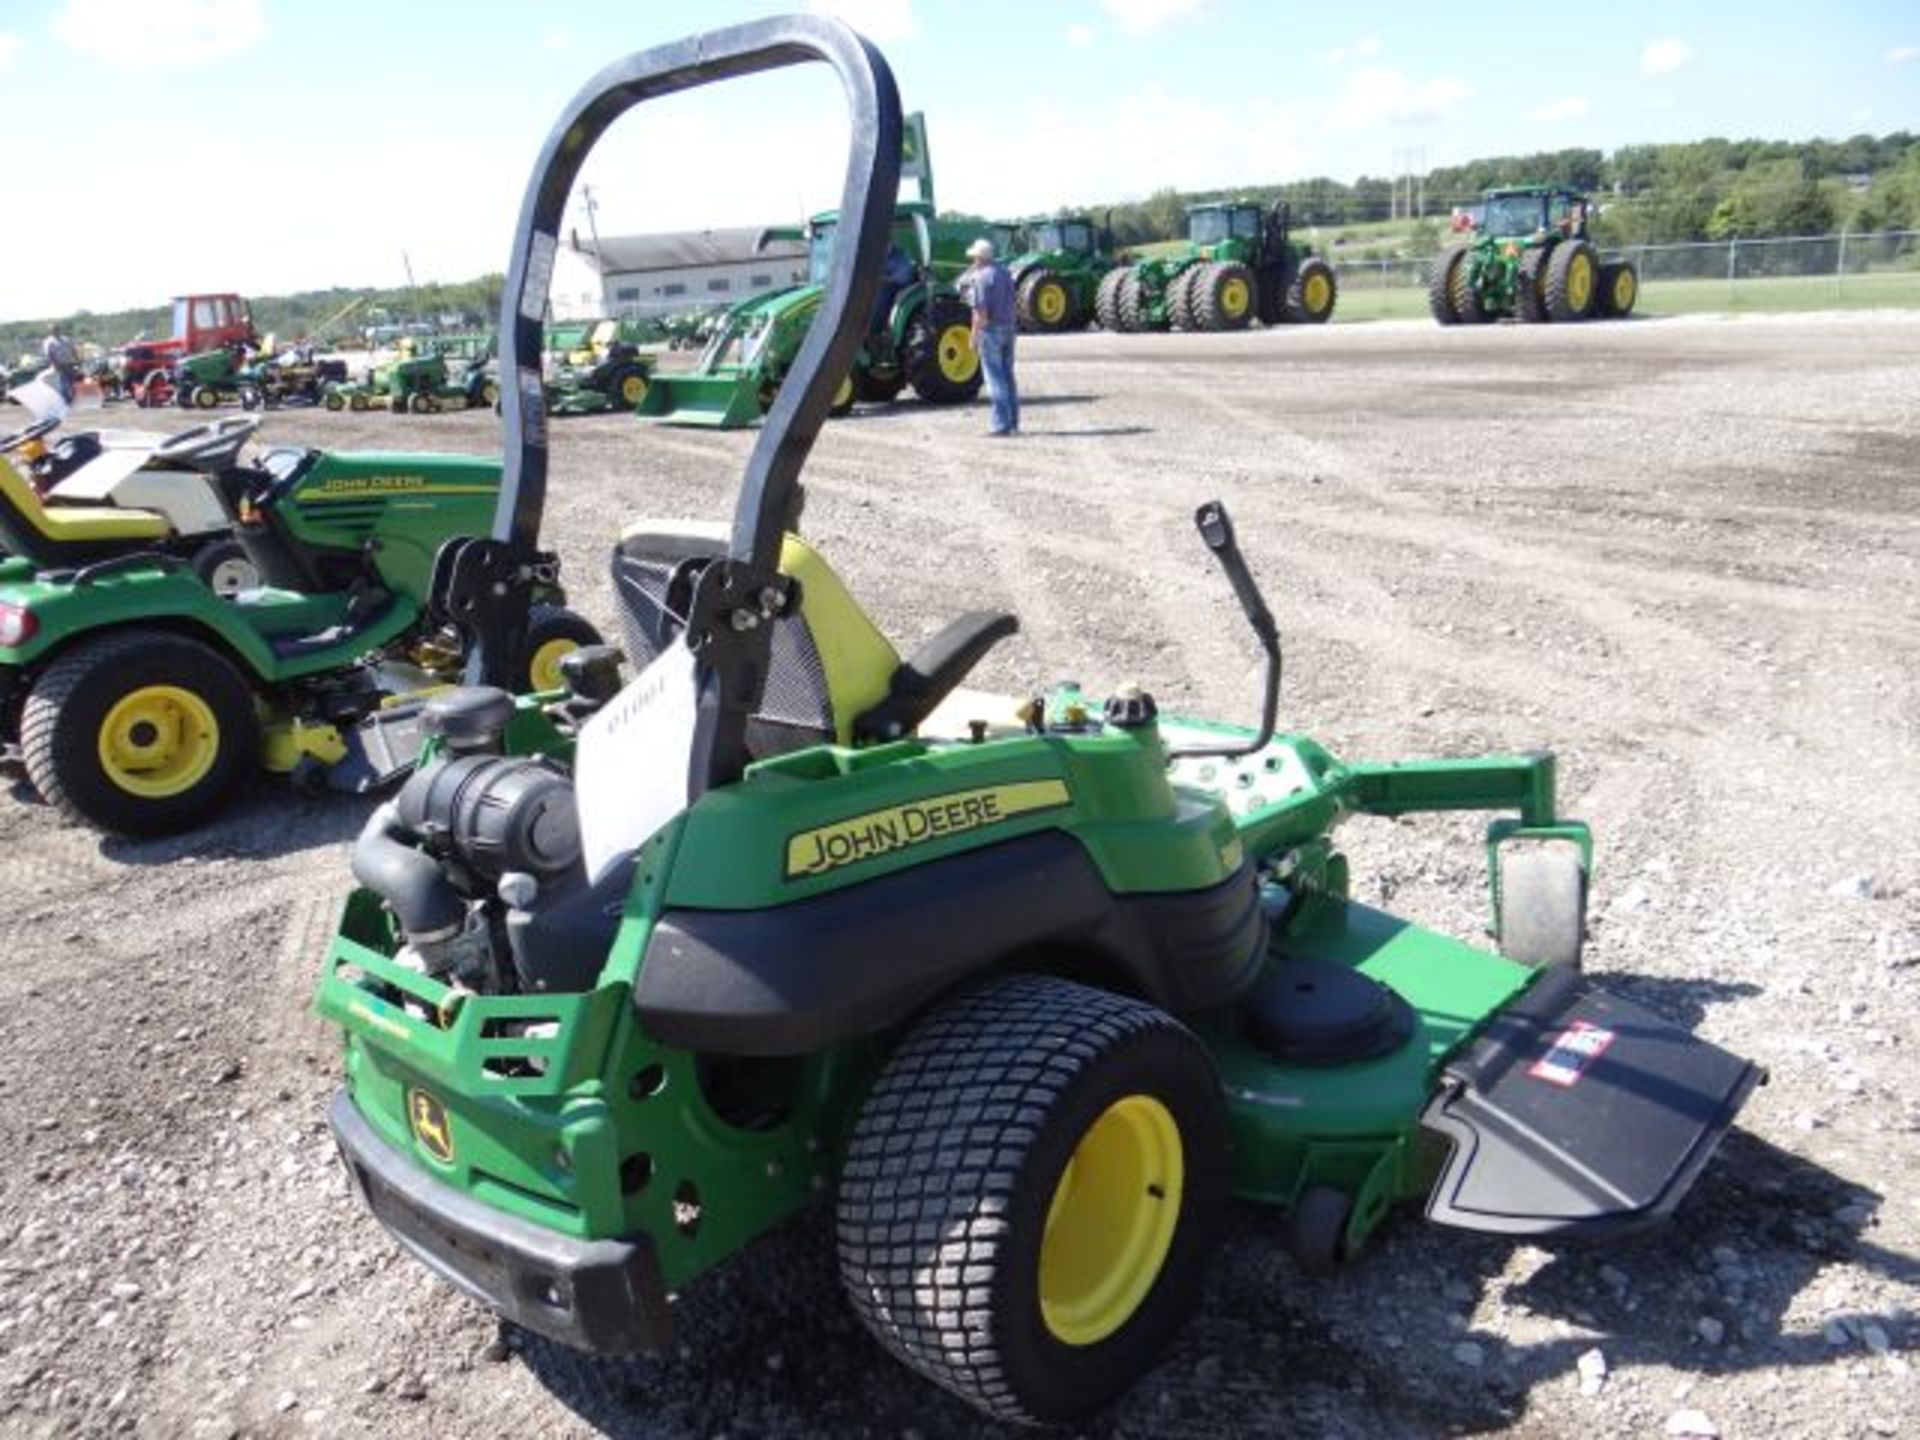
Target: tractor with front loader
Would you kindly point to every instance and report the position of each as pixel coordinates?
(1024, 989)
(1530, 259)
(137, 696)
(1058, 274)
(918, 333)
(1240, 263)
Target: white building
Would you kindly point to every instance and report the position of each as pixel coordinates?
(650, 274)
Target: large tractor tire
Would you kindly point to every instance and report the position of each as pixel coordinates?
(1573, 281)
(1180, 292)
(1464, 295)
(1132, 303)
(139, 732)
(1619, 289)
(1031, 1192)
(1529, 287)
(1106, 300)
(938, 352)
(872, 389)
(553, 633)
(1045, 303)
(1223, 296)
(1313, 294)
(1440, 285)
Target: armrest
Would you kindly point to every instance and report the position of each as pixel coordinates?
(931, 673)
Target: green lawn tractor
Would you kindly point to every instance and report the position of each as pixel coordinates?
(137, 697)
(295, 376)
(918, 333)
(1057, 277)
(1240, 263)
(1531, 260)
(607, 372)
(1024, 991)
(213, 378)
(419, 384)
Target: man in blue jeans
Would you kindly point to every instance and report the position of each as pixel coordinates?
(990, 291)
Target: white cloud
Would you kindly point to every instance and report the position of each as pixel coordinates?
(1572, 107)
(557, 40)
(1903, 54)
(145, 33)
(884, 21)
(1662, 57)
(1143, 17)
(9, 46)
(1382, 94)
(1364, 48)
(1081, 36)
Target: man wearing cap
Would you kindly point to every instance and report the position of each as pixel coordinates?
(990, 290)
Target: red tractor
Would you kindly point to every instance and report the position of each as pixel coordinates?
(200, 323)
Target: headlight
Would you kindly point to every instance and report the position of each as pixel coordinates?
(17, 625)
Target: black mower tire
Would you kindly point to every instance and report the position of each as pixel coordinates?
(1106, 300)
(205, 397)
(1440, 285)
(872, 389)
(1223, 297)
(621, 387)
(357, 402)
(1316, 1229)
(959, 1161)
(75, 698)
(1568, 295)
(225, 568)
(1543, 906)
(936, 328)
(1529, 290)
(553, 631)
(1619, 289)
(1307, 302)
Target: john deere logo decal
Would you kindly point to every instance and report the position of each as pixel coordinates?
(430, 1125)
(880, 832)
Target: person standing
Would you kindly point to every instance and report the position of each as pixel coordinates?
(990, 292)
(62, 360)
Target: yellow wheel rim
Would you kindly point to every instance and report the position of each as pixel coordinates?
(633, 389)
(1234, 298)
(1050, 303)
(1579, 282)
(843, 397)
(490, 393)
(1625, 288)
(159, 741)
(205, 398)
(957, 359)
(1112, 1220)
(544, 668)
(1318, 293)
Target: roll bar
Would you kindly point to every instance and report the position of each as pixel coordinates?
(485, 585)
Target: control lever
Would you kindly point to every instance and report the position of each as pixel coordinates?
(1216, 532)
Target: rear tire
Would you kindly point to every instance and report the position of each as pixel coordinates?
(1619, 289)
(1106, 300)
(1313, 294)
(140, 732)
(1031, 1192)
(1180, 298)
(1543, 906)
(1573, 281)
(938, 352)
(1131, 299)
(1464, 295)
(1222, 297)
(1529, 295)
(1440, 285)
(1045, 303)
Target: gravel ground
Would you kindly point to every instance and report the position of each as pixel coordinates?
(1686, 554)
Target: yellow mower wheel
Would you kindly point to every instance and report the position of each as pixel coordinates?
(159, 741)
(553, 633)
(633, 389)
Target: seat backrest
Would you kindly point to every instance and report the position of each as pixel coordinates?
(829, 662)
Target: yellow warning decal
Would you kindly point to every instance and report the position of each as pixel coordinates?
(881, 832)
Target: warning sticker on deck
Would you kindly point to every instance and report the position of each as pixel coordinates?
(1572, 1053)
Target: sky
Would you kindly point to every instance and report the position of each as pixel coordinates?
(163, 146)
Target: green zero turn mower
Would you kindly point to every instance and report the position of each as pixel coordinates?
(1532, 260)
(1240, 263)
(137, 692)
(1025, 992)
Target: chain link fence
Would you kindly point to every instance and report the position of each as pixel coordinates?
(1807, 272)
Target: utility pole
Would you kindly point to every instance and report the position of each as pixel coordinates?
(412, 289)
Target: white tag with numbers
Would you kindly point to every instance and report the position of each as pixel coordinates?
(632, 759)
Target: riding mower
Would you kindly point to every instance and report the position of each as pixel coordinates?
(1028, 990)
(137, 698)
(418, 384)
(918, 334)
(133, 491)
(607, 372)
(212, 378)
(294, 377)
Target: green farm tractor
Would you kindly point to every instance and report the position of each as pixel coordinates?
(918, 333)
(1058, 274)
(1024, 990)
(137, 694)
(1240, 263)
(1532, 260)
